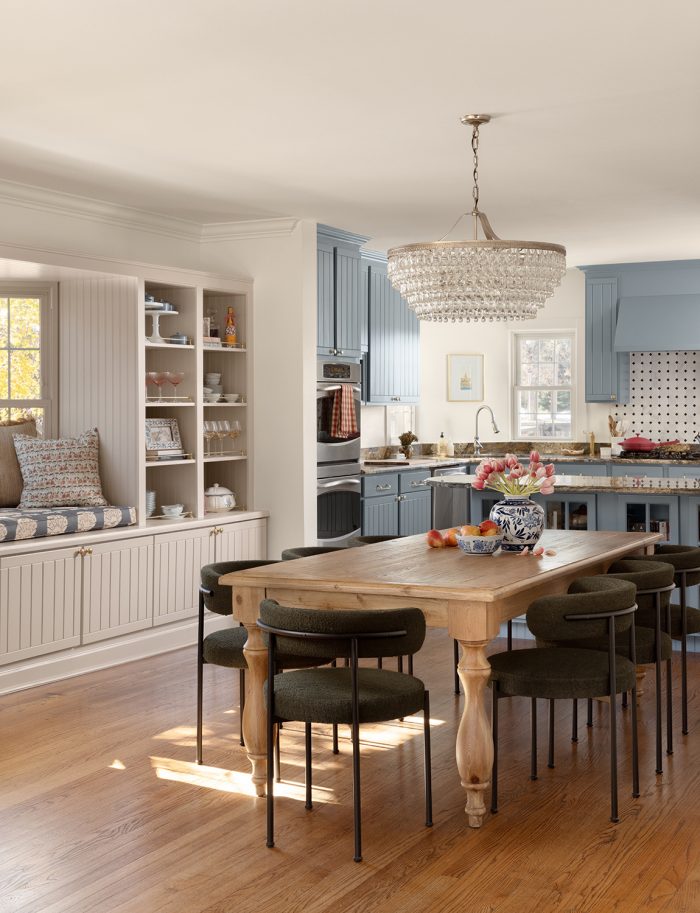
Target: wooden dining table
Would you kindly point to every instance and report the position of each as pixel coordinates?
(469, 595)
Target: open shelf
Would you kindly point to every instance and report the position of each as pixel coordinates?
(226, 458)
(206, 349)
(168, 345)
(151, 463)
(168, 405)
(227, 405)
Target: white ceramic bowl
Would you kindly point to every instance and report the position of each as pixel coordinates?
(173, 510)
(212, 397)
(212, 379)
(216, 388)
(206, 389)
(479, 545)
(232, 397)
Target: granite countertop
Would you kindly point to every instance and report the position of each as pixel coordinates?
(370, 467)
(613, 484)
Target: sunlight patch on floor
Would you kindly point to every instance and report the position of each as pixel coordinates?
(117, 765)
(228, 781)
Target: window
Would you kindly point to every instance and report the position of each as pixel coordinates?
(26, 355)
(544, 393)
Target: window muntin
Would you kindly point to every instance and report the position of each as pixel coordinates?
(543, 389)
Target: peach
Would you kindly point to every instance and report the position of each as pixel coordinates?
(487, 524)
(434, 539)
(491, 532)
(470, 531)
(451, 537)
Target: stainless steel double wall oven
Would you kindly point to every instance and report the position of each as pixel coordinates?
(339, 484)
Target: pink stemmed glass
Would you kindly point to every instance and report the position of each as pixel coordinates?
(150, 379)
(175, 378)
(160, 378)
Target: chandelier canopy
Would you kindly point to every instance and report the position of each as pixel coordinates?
(476, 280)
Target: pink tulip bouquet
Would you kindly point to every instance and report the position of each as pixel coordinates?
(511, 477)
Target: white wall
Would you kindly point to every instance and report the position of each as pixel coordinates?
(564, 311)
(284, 375)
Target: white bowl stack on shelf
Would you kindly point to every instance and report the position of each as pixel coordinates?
(212, 387)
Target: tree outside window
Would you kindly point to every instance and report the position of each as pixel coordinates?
(543, 389)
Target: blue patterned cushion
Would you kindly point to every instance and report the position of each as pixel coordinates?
(33, 524)
(60, 473)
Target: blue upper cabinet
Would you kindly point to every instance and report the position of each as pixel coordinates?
(340, 292)
(394, 341)
(604, 372)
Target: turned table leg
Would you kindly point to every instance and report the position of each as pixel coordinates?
(474, 739)
(254, 712)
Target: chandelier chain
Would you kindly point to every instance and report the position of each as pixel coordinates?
(475, 172)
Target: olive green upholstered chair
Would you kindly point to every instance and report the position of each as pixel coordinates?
(349, 695)
(684, 619)
(653, 584)
(308, 551)
(370, 540)
(594, 607)
(225, 647)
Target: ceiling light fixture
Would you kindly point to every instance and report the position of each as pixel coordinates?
(476, 280)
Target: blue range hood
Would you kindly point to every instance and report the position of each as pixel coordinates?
(658, 323)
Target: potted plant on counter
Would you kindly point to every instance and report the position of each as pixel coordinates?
(521, 519)
(407, 440)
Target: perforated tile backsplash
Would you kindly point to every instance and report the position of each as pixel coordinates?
(664, 389)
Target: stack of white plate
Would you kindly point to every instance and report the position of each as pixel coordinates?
(150, 503)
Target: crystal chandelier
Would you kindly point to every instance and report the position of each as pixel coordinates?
(476, 280)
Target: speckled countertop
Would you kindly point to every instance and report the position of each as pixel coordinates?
(370, 467)
(613, 484)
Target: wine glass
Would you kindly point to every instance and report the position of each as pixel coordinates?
(160, 378)
(234, 430)
(175, 378)
(209, 431)
(150, 379)
(222, 430)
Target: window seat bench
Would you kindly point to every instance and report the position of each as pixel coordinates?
(34, 523)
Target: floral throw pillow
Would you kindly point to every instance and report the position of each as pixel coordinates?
(60, 473)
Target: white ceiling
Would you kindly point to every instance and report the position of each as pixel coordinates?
(348, 112)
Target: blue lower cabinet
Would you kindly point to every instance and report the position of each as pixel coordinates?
(414, 513)
(481, 504)
(581, 469)
(640, 513)
(380, 516)
(690, 535)
(568, 511)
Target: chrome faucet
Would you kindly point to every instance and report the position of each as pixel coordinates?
(477, 441)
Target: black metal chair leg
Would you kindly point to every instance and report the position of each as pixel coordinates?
(270, 745)
(200, 676)
(574, 721)
(278, 759)
(410, 665)
(550, 756)
(614, 817)
(669, 691)
(533, 744)
(336, 750)
(494, 733)
(357, 809)
(456, 664)
(399, 663)
(635, 747)
(428, 762)
(307, 779)
(684, 657)
(380, 663)
(589, 718)
(510, 634)
(657, 669)
(241, 702)
(624, 700)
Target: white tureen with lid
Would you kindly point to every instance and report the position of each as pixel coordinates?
(218, 499)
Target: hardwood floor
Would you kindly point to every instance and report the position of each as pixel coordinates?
(103, 810)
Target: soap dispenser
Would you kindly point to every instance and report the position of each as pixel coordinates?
(442, 445)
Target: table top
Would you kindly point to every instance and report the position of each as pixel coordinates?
(409, 567)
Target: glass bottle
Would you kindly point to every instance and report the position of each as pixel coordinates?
(230, 333)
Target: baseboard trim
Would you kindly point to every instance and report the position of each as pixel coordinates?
(44, 670)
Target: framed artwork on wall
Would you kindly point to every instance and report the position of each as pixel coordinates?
(465, 378)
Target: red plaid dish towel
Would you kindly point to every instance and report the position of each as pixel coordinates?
(343, 418)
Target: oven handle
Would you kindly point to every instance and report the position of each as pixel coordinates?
(329, 388)
(339, 484)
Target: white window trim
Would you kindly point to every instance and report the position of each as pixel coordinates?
(516, 388)
(48, 293)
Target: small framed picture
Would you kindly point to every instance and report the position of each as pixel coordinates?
(163, 434)
(465, 378)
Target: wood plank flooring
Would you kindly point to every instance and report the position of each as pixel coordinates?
(102, 809)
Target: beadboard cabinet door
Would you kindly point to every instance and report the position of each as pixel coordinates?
(242, 541)
(325, 328)
(177, 560)
(40, 598)
(117, 588)
(414, 513)
(394, 343)
(607, 371)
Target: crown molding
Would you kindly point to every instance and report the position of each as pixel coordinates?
(68, 204)
(253, 228)
(339, 234)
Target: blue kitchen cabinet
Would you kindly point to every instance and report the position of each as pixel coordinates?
(415, 513)
(481, 503)
(580, 469)
(393, 341)
(607, 371)
(637, 469)
(569, 510)
(690, 535)
(640, 513)
(380, 516)
(340, 294)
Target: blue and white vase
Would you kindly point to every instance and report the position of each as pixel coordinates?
(521, 520)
